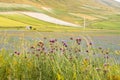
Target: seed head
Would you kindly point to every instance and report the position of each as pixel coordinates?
(32, 47)
(90, 43)
(71, 38)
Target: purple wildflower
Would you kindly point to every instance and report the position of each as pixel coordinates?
(90, 43)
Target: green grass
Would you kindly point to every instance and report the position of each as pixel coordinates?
(107, 25)
(61, 10)
(20, 20)
(28, 60)
(112, 23)
(5, 22)
(39, 25)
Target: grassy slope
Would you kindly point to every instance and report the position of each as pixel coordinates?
(17, 7)
(113, 22)
(62, 9)
(9, 23)
(39, 25)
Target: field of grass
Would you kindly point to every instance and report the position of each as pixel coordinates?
(59, 57)
(5, 22)
(37, 24)
(62, 8)
(112, 23)
(20, 20)
(45, 54)
(107, 25)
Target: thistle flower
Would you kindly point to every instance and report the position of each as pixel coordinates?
(52, 41)
(71, 38)
(41, 44)
(17, 53)
(38, 49)
(64, 43)
(106, 56)
(78, 41)
(87, 51)
(60, 49)
(43, 48)
(32, 47)
(37, 55)
(90, 43)
(106, 64)
(51, 51)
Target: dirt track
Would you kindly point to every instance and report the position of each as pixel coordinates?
(50, 19)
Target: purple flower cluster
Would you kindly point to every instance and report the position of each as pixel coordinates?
(64, 44)
(78, 41)
(53, 46)
(17, 53)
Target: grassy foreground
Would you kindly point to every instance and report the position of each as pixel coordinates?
(54, 59)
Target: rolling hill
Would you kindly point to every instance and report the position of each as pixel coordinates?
(20, 21)
(94, 11)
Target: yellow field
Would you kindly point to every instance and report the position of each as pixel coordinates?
(4, 22)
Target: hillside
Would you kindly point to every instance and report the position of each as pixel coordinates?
(72, 11)
(71, 5)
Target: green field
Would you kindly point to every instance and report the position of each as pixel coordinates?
(14, 20)
(55, 52)
(107, 25)
(55, 56)
(112, 23)
(20, 21)
(11, 23)
(62, 9)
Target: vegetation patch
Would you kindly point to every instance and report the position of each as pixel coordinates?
(17, 7)
(56, 59)
(35, 23)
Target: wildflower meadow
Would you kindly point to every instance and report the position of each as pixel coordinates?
(73, 58)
